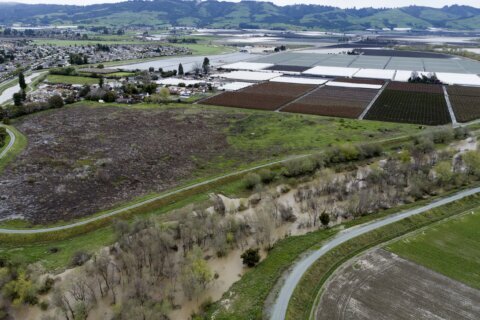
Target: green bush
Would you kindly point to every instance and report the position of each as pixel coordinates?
(252, 180)
(267, 175)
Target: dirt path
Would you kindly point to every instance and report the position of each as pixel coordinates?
(13, 138)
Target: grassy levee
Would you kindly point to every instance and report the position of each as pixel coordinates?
(17, 148)
(303, 300)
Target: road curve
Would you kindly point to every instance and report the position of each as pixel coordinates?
(13, 138)
(279, 310)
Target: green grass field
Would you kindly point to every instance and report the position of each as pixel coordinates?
(53, 78)
(451, 248)
(71, 43)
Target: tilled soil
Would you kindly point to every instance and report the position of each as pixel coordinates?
(81, 160)
(381, 285)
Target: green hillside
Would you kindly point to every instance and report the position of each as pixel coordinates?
(245, 14)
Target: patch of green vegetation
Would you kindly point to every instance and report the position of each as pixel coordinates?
(57, 255)
(17, 148)
(53, 78)
(205, 49)
(451, 248)
(306, 293)
(120, 74)
(293, 133)
(78, 43)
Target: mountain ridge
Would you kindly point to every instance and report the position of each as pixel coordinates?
(245, 14)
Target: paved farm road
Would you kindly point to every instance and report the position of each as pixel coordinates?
(10, 144)
(294, 276)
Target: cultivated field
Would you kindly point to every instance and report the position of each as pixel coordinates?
(278, 67)
(451, 248)
(380, 285)
(87, 158)
(465, 102)
(265, 96)
(334, 101)
(415, 87)
(410, 107)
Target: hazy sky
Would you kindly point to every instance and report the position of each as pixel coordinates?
(338, 3)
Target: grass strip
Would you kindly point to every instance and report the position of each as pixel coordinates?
(303, 299)
(19, 145)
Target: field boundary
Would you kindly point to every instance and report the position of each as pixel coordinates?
(364, 113)
(299, 98)
(449, 106)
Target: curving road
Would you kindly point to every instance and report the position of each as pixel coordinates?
(294, 276)
(13, 138)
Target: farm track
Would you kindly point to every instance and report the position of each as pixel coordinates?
(13, 138)
(364, 113)
(294, 276)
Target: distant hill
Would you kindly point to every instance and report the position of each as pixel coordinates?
(245, 14)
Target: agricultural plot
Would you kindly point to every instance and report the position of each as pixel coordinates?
(265, 96)
(334, 102)
(410, 107)
(288, 68)
(415, 87)
(465, 102)
(451, 248)
(381, 285)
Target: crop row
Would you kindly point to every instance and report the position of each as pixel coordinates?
(415, 87)
(466, 108)
(465, 102)
(265, 96)
(464, 91)
(410, 107)
(334, 102)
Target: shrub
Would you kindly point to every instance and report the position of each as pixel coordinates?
(251, 257)
(325, 219)
(46, 286)
(79, 258)
(109, 96)
(298, 167)
(44, 305)
(252, 180)
(55, 102)
(266, 175)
